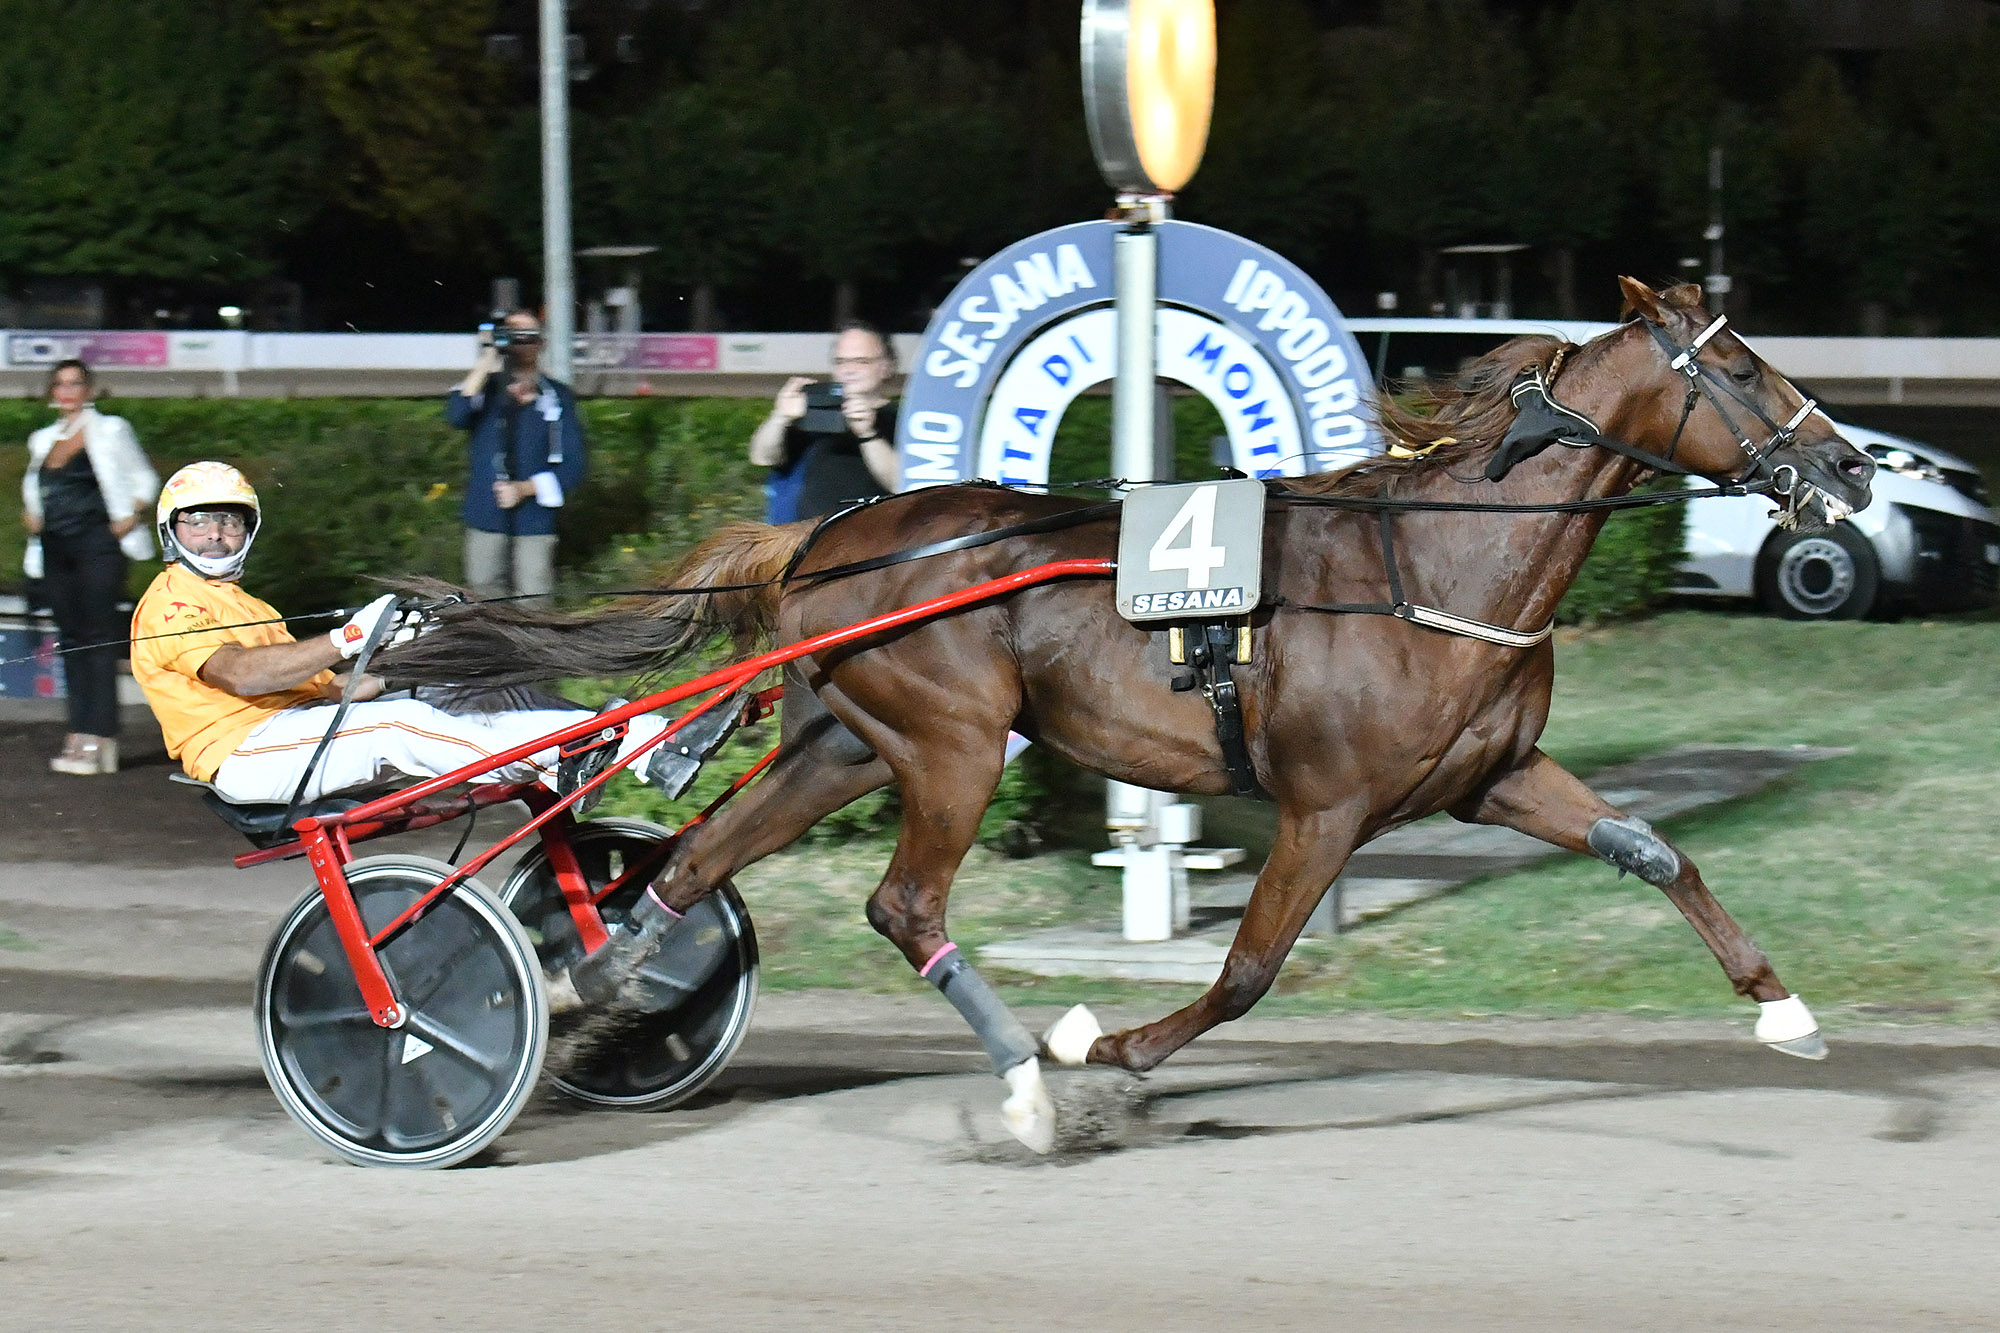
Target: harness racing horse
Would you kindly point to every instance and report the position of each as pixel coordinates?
(1355, 723)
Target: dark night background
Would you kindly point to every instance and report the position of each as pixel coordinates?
(334, 164)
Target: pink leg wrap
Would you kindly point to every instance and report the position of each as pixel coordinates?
(925, 970)
(659, 903)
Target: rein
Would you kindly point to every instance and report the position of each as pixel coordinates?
(379, 632)
(1549, 422)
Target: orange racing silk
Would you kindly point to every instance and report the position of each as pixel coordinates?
(202, 723)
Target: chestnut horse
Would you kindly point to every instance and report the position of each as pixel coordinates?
(1355, 723)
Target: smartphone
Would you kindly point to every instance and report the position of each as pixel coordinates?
(823, 415)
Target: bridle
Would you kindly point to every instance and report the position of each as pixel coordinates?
(1705, 382)
(1540, 420)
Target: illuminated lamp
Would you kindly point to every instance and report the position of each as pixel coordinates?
(1149, 84)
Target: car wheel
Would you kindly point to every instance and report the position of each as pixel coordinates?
(1827, 575)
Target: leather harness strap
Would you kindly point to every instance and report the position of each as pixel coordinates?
(1427, 616)
(1027, 528)
(1210, 652)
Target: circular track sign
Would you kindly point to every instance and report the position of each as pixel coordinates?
(1148, 86)
(1034, 326)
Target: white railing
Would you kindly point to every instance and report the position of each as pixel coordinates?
(441, 353)
(149, 362)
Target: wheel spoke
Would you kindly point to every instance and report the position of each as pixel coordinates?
(445, 971)
(321, 1018)
(444, 1039)
(374, 1129)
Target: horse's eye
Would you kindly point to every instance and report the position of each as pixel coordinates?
(1745, 374)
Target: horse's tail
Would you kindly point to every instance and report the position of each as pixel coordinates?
(728, 584)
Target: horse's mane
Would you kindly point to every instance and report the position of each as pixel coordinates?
(1452, 419)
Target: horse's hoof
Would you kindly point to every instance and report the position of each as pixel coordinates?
(1787, 1025)
(1097, 1108)
(1029, 1114)
(1806, 1048)
(563, 995)
(1070, 1040)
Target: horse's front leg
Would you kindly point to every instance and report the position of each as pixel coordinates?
(1545, 800)
(1310, 849)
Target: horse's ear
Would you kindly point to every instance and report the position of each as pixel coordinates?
(1683, 296)
(1640, 300)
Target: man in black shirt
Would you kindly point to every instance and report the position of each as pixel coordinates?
(836, 467)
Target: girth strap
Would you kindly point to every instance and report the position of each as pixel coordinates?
(1427, 616)
(1211, 647)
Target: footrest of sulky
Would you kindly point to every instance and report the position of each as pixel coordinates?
(588, 755)
(678, 759)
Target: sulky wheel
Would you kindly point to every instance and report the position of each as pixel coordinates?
(697, 1016)
(451, 1079)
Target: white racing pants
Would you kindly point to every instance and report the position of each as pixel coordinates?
(389, 736)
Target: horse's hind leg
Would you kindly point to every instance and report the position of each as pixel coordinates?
(1545, 800)
(820, 768)
(1309, 851)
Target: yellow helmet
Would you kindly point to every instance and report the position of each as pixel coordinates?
(201, 486)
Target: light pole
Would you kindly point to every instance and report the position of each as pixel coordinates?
(558, 265)
(1148, 86)
(1717, 284)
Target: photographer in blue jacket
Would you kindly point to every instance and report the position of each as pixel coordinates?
(527, 455)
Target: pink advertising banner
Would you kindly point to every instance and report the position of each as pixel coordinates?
(100, 347)
(651, 351)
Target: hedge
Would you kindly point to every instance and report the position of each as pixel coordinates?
(359, 487)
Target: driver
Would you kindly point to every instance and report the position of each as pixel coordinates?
(244, 706)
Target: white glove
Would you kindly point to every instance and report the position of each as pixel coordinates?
(411, 624)
(350, 637)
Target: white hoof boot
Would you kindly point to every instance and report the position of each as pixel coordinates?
(1030, 1115)
(1070, 1040)
(1787, 1025)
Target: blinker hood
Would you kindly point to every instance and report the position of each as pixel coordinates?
(1539, 422)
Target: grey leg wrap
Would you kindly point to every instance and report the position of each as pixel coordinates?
(1632, 846)
(1007, 1042)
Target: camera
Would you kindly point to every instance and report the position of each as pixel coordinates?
(505, 336)
(823, 415)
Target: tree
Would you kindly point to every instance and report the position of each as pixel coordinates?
(1876, 212)
(407, 86)
(688, 173)
(1637, 67)
(1271, 171)
(1424, 101)
(1968, 130)
(164, 143)
(1559, 185)
(876, 149)
(1755, 206)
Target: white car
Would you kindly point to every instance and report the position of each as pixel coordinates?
(1927, 541)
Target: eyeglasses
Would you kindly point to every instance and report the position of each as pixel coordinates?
(222, 520)
(857, 360)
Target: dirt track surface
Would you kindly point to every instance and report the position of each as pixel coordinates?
(849, 1170)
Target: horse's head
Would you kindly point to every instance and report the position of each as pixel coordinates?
(1722, 412)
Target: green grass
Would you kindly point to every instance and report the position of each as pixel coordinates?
(1870, 880)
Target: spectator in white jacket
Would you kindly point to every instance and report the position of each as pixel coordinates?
(86, 497)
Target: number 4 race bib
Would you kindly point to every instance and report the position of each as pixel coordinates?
(1191, 552)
